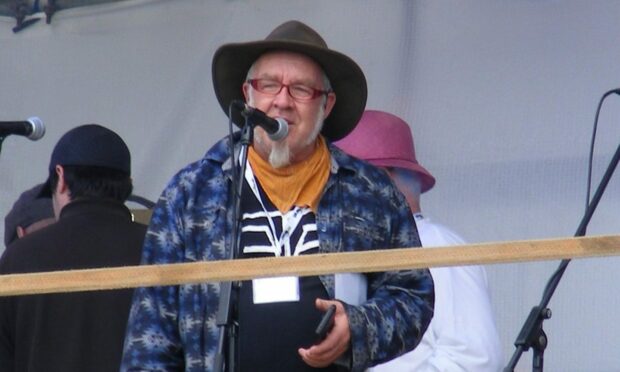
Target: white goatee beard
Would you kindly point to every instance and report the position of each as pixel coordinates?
(280, 154)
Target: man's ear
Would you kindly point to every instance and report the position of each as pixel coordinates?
(246, 91)
(61, 186)
(330, 101)
(20, 231)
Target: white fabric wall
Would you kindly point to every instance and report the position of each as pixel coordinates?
(501, 97)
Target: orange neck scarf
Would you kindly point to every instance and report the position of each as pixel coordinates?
(297, 184)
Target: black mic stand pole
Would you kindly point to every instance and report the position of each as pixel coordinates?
(229, 290)
(532, 334)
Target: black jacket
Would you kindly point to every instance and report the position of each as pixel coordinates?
(80, 331)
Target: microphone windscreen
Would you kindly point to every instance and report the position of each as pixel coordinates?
(38, 129)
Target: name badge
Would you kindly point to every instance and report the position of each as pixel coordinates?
(281, 289)
(351, 287)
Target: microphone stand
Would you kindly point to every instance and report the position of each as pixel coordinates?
(227, 342)
(532, 333)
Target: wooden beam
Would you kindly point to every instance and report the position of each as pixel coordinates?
(316, 264)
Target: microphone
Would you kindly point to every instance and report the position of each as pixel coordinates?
(277, 129)
(32, 128)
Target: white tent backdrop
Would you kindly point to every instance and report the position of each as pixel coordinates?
(501, 97)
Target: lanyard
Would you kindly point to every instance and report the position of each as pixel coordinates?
(290, 221)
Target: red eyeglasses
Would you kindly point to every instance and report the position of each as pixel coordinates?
(299, 92)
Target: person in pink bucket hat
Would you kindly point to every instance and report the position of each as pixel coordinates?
(385, 140)
(462, 335)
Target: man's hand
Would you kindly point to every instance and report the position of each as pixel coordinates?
(336, 342)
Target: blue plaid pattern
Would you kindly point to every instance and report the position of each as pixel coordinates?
(174, 329)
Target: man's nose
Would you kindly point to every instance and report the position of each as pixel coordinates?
(283, 98)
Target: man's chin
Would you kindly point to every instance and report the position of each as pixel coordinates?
(280, 155)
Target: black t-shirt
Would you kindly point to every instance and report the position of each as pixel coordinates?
(271, 333)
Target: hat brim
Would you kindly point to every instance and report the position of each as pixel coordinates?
(231, 63)
(426, 179)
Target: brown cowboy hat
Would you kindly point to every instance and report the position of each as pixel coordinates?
(231, 63)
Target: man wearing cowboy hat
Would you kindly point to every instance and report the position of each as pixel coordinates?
(300, 196)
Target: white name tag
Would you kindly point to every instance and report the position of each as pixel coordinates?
(282, 289)
(351, 288)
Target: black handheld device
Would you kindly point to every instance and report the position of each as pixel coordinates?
(326, 323)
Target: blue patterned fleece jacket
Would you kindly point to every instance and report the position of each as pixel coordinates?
(173, 328)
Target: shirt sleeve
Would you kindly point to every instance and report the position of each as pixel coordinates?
(173, 328)
(152, 339)
(464, 326)
(462, 335)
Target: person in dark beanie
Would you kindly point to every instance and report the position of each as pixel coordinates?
(300, 196)
(28, 214)
(89, 180)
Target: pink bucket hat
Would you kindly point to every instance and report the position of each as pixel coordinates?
(385, 140)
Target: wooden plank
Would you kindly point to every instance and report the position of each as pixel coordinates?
(317, 264)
